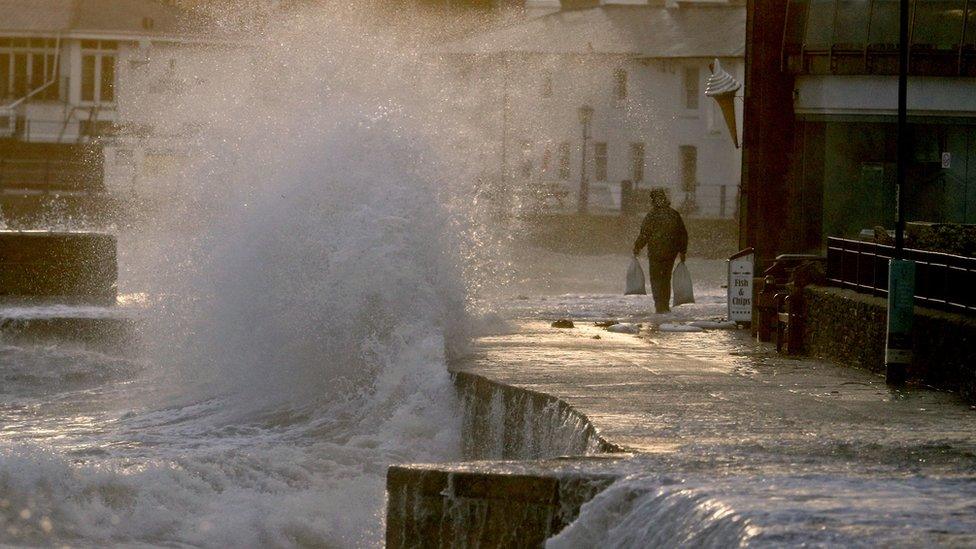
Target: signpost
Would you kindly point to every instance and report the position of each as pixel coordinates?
(741, 272)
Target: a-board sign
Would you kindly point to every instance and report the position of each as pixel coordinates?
(741, 267)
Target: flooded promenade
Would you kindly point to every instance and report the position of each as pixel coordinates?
(781, 450)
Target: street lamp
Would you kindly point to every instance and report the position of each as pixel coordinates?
(585, 117)
(901, 270)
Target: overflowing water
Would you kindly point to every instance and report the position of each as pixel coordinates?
(301, 277)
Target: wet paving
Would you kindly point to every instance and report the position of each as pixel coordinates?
(716, 397)
(809, 452)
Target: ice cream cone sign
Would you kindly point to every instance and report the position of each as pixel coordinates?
(721, 87)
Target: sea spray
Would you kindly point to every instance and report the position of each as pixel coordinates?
(306, 267)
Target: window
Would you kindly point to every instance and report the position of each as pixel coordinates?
(691, 88)
(851, 23)
(4, 75)
(620, 84)
(970, 38)
(107, 88)
(20, 75)
(564, 160)
(526, 162)
(37, 74)
(600, 161)
(88, 78)
(938, 24)
(820, 24)
(98, 71)
(546, 89)
(637, 163)
(27, 65)
(689, 167)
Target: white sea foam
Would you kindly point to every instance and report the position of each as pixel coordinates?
(636, 513)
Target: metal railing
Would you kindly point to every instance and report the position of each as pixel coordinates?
(841, 37)
(49, 176)
(68, 130)
(942, 281)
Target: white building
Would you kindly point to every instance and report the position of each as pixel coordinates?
(71, 72)
(642, 68)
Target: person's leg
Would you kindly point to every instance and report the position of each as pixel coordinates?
(660, 277)
(666, 270)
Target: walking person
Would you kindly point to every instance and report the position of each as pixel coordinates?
(663, 232)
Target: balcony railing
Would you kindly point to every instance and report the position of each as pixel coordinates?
(942, 281)
(49, 176)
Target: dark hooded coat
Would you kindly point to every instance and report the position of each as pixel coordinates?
(663, 232)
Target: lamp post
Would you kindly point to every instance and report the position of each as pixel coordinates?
(585, 117)
(901, 272)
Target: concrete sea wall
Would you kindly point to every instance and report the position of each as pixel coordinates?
(58, 265)
(484, 504)
(500, 503)
(848, 327)
(505, 422)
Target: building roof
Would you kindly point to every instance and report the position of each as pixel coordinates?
(644, 31)
(103, 17)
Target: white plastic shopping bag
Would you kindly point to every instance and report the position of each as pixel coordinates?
(635, 279)
(681, 288)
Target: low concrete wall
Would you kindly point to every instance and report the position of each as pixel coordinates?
(505, 422)
(500, 503)
(43, 264)
(103, 334)
(849, 328)
(484, 504)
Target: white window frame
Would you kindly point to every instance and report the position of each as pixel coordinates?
(99, 53)
(597, 176)
(621, 86)
(689, 111)
(48, 52)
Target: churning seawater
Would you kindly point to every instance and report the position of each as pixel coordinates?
(301, 283)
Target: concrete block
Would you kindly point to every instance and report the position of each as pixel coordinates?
(43, 264)
(486, 504)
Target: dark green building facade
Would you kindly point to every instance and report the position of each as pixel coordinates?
(820, 143)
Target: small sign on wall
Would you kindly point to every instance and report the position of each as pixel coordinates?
(946, 160)
(741, 268)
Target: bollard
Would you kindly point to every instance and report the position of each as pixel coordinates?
(901, 313)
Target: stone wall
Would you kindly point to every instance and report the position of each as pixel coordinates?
(849, 328)
(949, 238)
